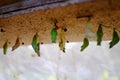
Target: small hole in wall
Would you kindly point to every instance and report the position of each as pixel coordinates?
(67, 41)
(41, 43)
(65, 29)
(23, 43)
(2, 30)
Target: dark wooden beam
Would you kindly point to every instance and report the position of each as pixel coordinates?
(27, 6)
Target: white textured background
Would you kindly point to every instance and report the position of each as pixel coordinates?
(95, 63)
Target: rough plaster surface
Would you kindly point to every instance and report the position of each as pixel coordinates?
(26, 25)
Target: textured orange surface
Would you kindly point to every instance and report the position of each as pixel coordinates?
(26, 25)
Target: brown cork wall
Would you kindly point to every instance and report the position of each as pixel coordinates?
(26, 25)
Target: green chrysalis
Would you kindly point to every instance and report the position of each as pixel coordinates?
(115, 39)
(85, 44)
(99, 35)
(53, 35)
(35, 44)
(5, 47)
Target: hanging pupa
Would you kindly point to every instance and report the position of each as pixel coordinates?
(17, 44)
(88, 32)
(99, 35)
(115, 39)
(62, 40)
(85, 44)
(5, 47)
(35, 44)
(54, 34)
